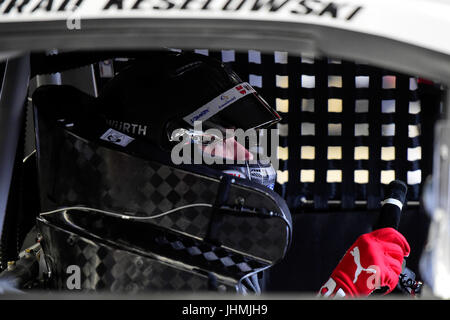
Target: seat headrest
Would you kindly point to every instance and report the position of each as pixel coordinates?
(62, 101)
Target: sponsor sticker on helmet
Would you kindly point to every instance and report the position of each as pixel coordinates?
(219, 103)
(116, 137)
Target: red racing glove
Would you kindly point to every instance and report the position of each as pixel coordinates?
(374, 261)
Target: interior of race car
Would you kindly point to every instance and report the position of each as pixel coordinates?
(348, 129)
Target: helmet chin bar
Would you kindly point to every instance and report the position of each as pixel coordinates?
(185, 222)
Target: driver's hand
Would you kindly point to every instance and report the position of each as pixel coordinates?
(374, 261)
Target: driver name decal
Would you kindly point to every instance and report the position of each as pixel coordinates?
(50, 9)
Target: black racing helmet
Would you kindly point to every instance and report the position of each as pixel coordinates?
(171, 90)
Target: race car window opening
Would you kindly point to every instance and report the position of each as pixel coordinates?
(355, 127)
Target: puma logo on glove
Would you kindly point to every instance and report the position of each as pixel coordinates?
(359, 268)
(374, 261)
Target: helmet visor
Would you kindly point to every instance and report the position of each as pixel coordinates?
(240, 107)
